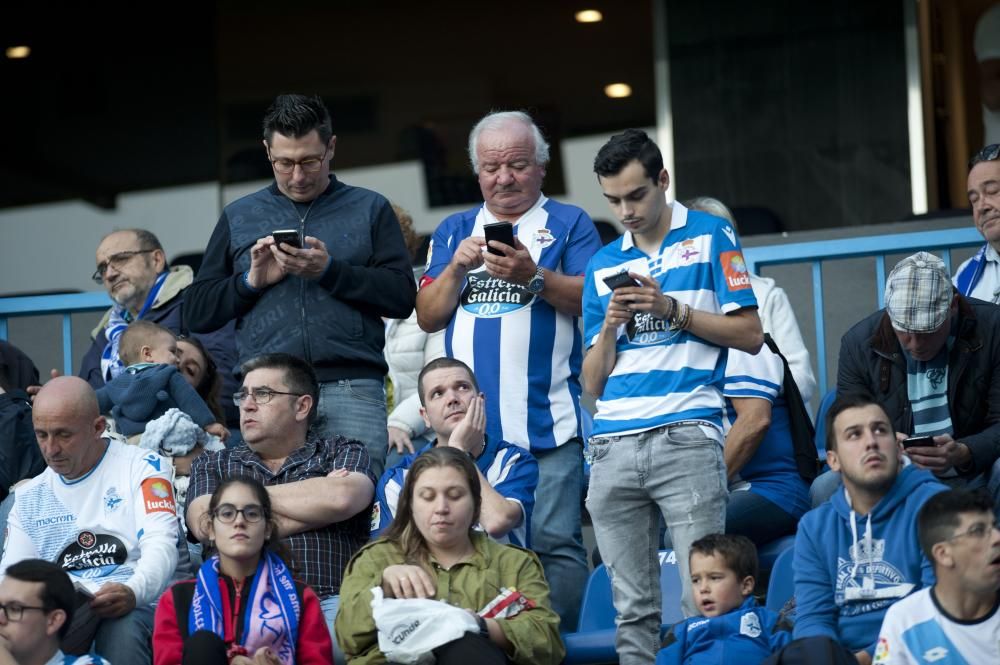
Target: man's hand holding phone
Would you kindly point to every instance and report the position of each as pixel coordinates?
(309, 262)
(938, 456)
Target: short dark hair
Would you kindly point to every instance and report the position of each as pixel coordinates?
(738, 552)
(139, 333)
(295, 116)
(941, 515)
(629, 146)
(442, 363)
(299, 375)
(57, 590)
(843, 403)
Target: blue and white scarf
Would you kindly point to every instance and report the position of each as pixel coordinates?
(966, 280)
(111, 364)
(271, 620)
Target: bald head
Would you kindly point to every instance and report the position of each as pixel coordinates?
(68, 426)
(67, 394)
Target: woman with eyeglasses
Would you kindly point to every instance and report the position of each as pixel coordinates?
(244, 608)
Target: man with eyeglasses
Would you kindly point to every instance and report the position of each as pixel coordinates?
(324, 299)
(979, 276)
(956, 621)
(511, 313)
(321, 489)
(132, 266)
(37, 603)
(857, 553)
(105, 513)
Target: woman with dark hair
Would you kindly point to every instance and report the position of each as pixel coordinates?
(432, 551)
(244, 608)
(198, 369)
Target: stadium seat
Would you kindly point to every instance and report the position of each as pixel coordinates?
(824, 406)
(594, 641)
(768, 554)
(782, 586)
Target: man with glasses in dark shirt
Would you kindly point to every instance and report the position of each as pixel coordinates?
(321, 489)
(320, 290)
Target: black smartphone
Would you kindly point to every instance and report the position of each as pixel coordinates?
(287, 236)
(619, 280)
(919, 442)
(501, 232)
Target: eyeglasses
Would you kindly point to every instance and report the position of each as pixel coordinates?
(977, 531)
(988, 154)
(286, 166)
(14, 611)
(259, 395)
(226, 513)
(116, 261)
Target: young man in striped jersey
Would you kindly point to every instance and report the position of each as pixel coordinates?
(656, 362)
(512, 316)
(455, 410)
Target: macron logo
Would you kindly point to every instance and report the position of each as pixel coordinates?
(153, 461)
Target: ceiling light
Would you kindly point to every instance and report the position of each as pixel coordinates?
(589, 16)
(618, 90)
(18, 52)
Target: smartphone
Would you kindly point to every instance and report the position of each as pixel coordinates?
(501, 232)
(287, 236)
(83, 590)
(620, 280)
(919, 442)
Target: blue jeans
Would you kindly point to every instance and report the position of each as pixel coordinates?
(555, 528)
(762, 521)
(677, 470)
(355, 408)
(127, 639)
(330, 605)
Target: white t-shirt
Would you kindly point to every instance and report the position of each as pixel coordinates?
(917, 630)
(115, 524)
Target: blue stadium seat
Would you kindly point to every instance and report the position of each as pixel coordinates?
(782, 586)
(768, 554)
(594, 641)
(824, 406)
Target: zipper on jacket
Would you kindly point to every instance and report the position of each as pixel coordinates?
(238, 597)
(302, 295)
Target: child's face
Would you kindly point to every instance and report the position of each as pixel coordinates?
(163, 349)
(715, 586)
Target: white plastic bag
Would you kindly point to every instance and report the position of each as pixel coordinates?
(410, 628)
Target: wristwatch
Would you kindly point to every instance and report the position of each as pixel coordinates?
(537, 282)
(484, 630)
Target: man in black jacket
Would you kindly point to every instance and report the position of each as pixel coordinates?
(932, 359)
(320, 297)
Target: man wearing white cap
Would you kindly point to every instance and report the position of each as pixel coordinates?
(932, 359)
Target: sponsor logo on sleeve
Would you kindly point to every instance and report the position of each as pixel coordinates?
(735, 270)
(881, 651)
(728, 230)
(153, 460)
(158, 496)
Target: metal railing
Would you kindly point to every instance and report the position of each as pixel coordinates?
(814, 253)
(64, 304)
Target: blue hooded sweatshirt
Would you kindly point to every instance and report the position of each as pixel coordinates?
(748, 634)
(849, 568)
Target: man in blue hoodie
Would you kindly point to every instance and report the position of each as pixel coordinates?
(858, 553)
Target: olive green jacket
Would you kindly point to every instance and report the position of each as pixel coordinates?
(533, 633)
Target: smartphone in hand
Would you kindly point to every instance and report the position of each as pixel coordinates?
(501, 232)
(918, 442)
(620, 280)
(288, 236)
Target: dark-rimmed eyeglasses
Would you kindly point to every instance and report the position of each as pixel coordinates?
(15, 611)
(226, 513)
(977, 531)
(259, 395)
(116, 261)
(286, 166)
(988, 154)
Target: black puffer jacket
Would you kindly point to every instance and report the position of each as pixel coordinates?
(872, 363)
(20, 457)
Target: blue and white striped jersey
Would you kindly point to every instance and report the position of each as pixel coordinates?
(663, 376)
(526, 355)
(510, 470)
